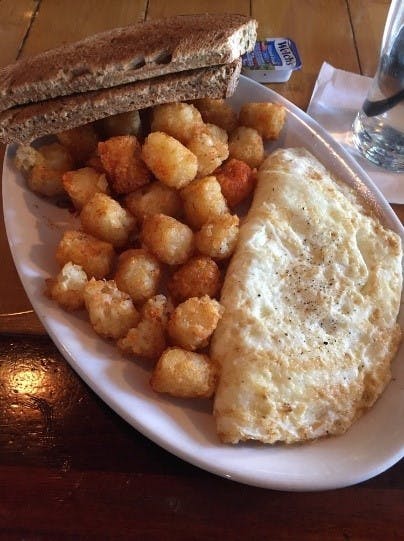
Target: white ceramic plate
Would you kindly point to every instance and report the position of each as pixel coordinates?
(186, 427)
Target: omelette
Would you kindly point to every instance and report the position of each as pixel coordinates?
(311, 300)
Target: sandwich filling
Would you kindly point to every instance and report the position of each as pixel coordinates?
(311, 300)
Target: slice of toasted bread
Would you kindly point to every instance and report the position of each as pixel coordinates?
(128, 54)
(24, 123)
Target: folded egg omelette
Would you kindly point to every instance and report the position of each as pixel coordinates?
(311, 301)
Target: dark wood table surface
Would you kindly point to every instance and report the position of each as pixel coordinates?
(70, 468)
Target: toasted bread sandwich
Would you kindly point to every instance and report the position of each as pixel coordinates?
(176, 58)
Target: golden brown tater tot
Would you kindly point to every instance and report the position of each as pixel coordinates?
(218, 238)
(112, 312)
(184, 374)
(193, 321)
(95, 256)
(169, 160)
(171, 241)
(236, 180)
(246, 144)
(148, 338)
(209, 144)
(104, 218)
(176, 119)
(199, 276)
(154, 198)
(120, 157)
(67, 288)
(267, 118)
(83, 183)
(203, 200)
(217, 112)
(138, 273)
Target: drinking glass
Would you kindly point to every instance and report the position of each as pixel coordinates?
(378, 129)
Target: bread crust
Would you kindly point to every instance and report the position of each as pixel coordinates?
(123, 55)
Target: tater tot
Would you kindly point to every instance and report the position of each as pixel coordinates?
(203, 200)
(120, 157)
(184, 374)
(246, 144)
(169, 160)
(138, 273)
(40, 178)
(57, 157)
(199, 276)
(67, 288)
(45, 177)
(122, 124)
(104, 218)
(218, 238)
(154, 198)
(81, 142)
(267, 118)
(171, 241)
(95, 256)
(209, 144)
(158, 308)
(111, 312)
(236, 180)
(26, 157)
(83, 183)
(217, 112)
(218, 133)
(148, 338)
(176, 119)
(193, 321)
(45, 181)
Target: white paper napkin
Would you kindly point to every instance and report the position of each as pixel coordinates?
(337, 97)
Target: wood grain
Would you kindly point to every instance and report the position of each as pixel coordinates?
(368, 20)
(70, 469)
(322, 32)
(112, 506)
(58, 22)
(15, 20)
(156, 8)
(23, 322)
(399, 210)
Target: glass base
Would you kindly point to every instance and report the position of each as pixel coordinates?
(379, 143)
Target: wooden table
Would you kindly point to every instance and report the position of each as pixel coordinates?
(70, 468)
